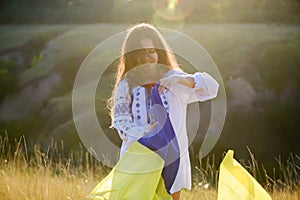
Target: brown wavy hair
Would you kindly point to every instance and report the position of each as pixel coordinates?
(131, 49)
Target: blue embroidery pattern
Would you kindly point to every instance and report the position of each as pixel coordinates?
(122, 109)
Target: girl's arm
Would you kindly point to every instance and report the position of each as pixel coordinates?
(123, 119)
(192, 87)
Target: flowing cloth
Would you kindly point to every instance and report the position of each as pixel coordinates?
(149, 167)
(236, 183)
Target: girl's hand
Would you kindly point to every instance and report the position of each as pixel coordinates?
(153, 126)
(161, 89)
(177, 79)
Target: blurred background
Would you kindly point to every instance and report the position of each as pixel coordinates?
(255, 44)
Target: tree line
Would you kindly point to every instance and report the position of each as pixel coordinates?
(119, 11)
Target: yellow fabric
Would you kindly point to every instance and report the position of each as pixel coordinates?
(235, 183)
(136, 176)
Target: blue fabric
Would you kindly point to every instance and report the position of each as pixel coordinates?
(163, 140)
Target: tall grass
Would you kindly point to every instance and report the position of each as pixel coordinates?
(46, 174)
(51, 174)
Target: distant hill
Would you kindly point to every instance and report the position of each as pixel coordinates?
(259, 64)
(155, 11)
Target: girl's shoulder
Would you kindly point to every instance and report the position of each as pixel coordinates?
(174, 72)
(123, 84)
(123, 87)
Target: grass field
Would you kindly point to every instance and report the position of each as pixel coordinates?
(50, 175)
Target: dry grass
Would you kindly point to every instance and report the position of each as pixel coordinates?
(39, 184)
(50, 175)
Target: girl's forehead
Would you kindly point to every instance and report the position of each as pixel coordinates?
(147, 43)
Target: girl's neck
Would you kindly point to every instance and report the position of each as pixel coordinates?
(149, 85)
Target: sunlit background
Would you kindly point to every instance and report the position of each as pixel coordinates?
(255, 44)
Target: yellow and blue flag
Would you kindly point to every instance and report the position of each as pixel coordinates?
(148, 169)
(235, 183)
(136, 176)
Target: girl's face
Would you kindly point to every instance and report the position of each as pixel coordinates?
(150, 54)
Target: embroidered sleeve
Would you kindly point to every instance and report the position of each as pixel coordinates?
(123, 118)
(206, 87)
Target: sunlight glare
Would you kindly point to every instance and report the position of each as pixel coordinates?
(172, 5)
(173, 10)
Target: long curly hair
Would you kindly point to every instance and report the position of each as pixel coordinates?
(131, 49)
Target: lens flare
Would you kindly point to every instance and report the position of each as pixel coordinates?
(172, 5)
(173, 10)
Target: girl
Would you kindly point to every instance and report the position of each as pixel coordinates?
(145, 60)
